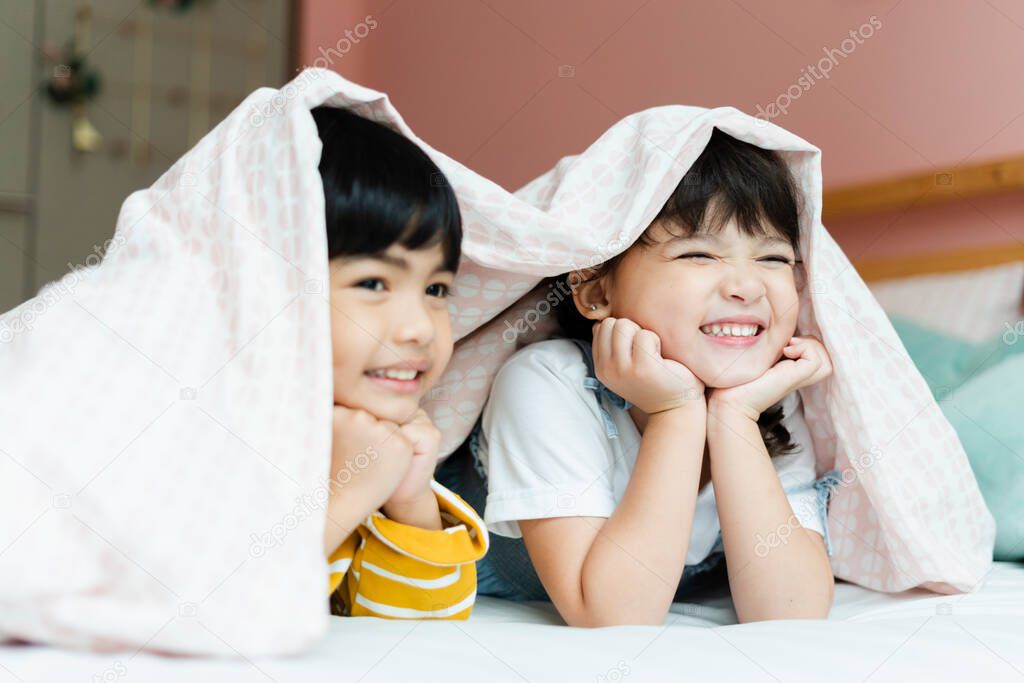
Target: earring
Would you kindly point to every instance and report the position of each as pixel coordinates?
(593, 307)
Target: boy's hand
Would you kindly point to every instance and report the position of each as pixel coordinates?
(368, 451)
(628, 360)
(369, 458)
(413, 501)
(805, 362)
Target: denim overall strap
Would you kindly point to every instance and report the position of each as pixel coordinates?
(474, 448)
(825, 485)
(602, 392)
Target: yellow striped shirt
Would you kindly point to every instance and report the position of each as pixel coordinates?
(392, 570)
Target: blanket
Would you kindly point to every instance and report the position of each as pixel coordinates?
(165, 411)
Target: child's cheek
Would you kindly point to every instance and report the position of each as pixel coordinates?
(442, 350)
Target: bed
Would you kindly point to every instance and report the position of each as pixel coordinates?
(869, 636)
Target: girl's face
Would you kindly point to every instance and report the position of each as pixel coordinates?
(390, 331)
(679, 287)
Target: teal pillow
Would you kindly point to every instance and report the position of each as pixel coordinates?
(986, 412)
(947, 362)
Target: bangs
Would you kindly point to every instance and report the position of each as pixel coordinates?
(731, 180)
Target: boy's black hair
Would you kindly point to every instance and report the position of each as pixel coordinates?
(730, 179)
(381, 189)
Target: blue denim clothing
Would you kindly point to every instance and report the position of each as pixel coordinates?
(506, 570)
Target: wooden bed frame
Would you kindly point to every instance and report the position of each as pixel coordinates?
(925, 189)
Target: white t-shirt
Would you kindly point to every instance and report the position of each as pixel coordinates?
(547, 454)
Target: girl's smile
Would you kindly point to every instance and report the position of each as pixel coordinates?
(734, 341)
(741, 331)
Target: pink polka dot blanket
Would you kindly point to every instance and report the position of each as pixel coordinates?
(165, 414)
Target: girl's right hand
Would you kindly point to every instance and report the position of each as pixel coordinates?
(628, 360)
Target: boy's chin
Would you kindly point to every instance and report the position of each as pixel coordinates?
(397, 410)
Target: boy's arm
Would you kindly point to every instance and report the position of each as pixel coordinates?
(342, 519)
(400, 571)
(369, 458)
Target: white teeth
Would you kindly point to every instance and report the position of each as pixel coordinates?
(729, 330)
(394, 374)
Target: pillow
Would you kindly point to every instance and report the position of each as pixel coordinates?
(946, 362)
(984, 298)
(980, 388)
(986, 414)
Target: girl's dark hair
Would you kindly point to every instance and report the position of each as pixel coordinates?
(381, 189)
(730, 179)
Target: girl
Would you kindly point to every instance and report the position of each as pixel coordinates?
(393, 536)
(645, 452)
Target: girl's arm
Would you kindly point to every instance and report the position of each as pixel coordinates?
(626, 569)
(770, 578)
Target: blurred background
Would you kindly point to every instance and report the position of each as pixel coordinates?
(913, 102)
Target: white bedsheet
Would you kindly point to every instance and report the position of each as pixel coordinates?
(869, 636)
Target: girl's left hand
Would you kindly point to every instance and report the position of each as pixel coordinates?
(805, 361)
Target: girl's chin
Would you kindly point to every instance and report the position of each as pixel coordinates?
(726, 378)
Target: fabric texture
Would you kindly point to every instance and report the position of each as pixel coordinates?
(907, 512)
(173, 402)
(392, 570)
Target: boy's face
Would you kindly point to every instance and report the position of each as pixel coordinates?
(669, 289)
(390, 330)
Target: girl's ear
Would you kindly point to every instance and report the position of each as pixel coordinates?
(590, 296)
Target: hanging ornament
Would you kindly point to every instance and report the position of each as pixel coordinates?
(73, 82)
(176, 5)
(84, 136)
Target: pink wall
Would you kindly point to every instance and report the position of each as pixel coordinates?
(509, 86)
